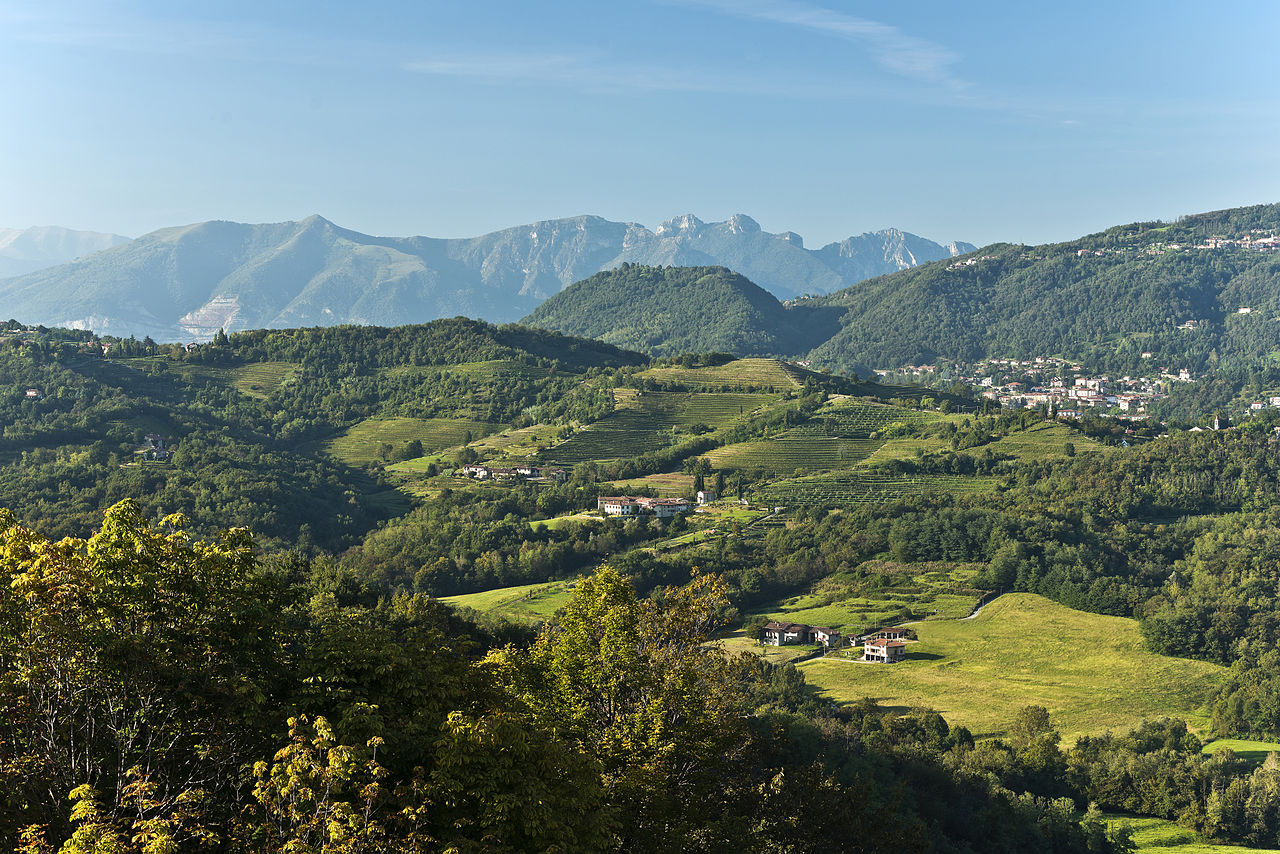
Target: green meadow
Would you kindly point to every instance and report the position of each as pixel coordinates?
(359, 444)
(532, 602)
(1089, 670)
(932, 591)
(1158, 836)
(1253, 751)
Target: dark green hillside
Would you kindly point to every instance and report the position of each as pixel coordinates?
(669, 310)
(244, 419)
(1105, 298)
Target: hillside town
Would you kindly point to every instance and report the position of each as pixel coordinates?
(1255, 240)
(1048, 381)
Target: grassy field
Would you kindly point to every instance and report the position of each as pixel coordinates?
(743, 373)
(931, 591)
(359, 444)
(1158, 836)
(1090, 671)
(1253, 751)
(519, 444)
(589, 517)
(533, 602)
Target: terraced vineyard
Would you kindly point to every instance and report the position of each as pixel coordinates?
(858, 419)
(257, 379)
(645, 422)
(782, 456)
(770, 374)
(485, 371)
(838, 436)
(849, 488)
(261, 378)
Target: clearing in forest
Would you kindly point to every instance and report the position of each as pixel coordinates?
(360, 443)
(533, 602)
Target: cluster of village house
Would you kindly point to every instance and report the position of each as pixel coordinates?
(1036, 386)
(517, 472)
(1258, 240)
(884, 646)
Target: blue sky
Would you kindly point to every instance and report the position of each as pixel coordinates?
(979, 121)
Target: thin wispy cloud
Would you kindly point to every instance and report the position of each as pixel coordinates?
(898, 52)
(597, 72)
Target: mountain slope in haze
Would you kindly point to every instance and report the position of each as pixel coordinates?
(25, 250)
(669, 310)
(188, 282)
(1200, 293)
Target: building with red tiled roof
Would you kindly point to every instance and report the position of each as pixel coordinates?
(884, 651)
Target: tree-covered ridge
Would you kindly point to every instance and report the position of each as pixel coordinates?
(671, 310)
(1199, 293)
(74, 420)
(1107, 298)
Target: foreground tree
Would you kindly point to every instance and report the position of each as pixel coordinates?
(135, 657)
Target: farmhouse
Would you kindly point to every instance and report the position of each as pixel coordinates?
(783, 634)
(828, 637)
(884, 651)
(629, 505)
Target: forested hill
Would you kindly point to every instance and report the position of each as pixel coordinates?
(1106, 298)
(242, 421)
(1201, 293)
(671, 310)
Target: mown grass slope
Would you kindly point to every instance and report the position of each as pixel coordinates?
(1089, 670)
(1158, 836)
(525, 602)
(359, 444)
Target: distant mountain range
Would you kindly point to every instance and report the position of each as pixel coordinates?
(187, 282)
(25, 250)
